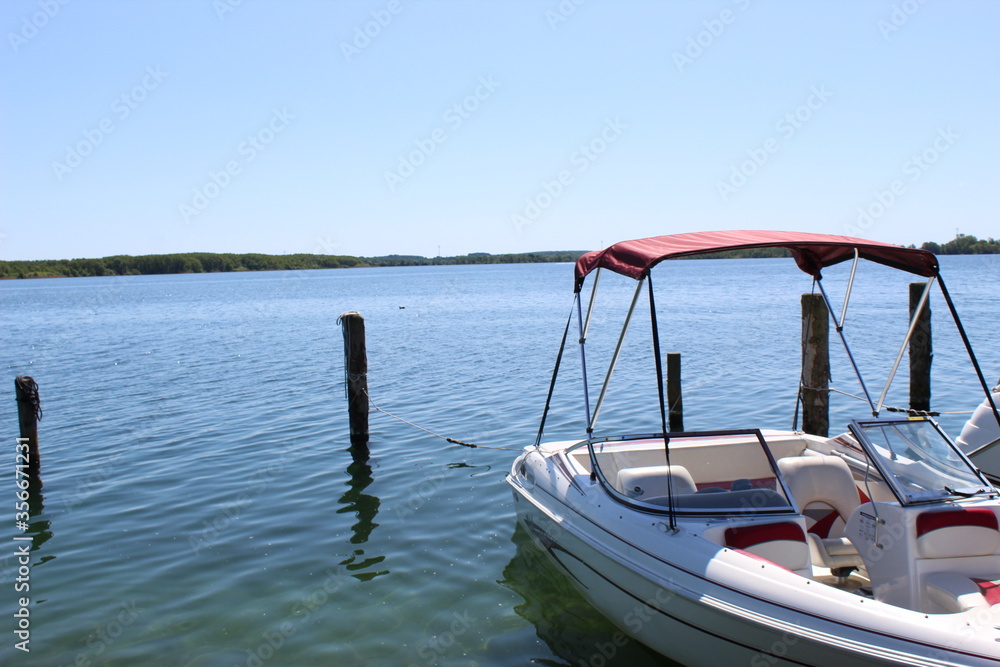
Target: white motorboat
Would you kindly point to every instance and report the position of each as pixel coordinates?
(980, 438)
(880, 546)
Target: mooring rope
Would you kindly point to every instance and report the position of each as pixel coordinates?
(889, 408)
(438, 435)
(29, 390)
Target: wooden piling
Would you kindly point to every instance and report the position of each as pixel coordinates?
(815, 365)
(674, 400)
(921, 352)
(356, 367)
(29, 411)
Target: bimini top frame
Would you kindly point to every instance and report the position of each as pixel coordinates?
(812, 252)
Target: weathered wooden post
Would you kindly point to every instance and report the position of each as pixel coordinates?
(674, 392)
(356, 369)
(815, 365)
(921, 352)
(29, 411)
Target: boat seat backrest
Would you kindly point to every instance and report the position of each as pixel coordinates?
(783, 543)
(821, 479)
(824, 483)
(957, 533)
(957, 554)
(652, 481)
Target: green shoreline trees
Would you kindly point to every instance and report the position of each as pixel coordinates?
(207, 262)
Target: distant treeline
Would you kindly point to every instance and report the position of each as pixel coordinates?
(475, 258)
(964, 245)
(195, 262)
(207, 262)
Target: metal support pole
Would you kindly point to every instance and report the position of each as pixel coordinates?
(902, 348)
(847, 348)
(614, 357)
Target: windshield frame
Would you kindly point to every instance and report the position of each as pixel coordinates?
(671, 507)
(890, 470)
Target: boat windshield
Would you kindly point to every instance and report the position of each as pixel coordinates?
(721, 472)
(919, 461)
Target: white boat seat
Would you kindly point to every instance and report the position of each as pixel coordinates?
(781, 543)
(824, 483)
(727, 500)
(839, 546)
(960, 536)
(651, 481)
(957, 592)
(957, 533)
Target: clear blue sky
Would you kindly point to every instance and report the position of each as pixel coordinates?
(134, 127)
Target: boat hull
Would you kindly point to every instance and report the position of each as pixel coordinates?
(980, 439)
(686, 601)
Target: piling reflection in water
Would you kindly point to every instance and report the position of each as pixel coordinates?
(27, 468)
(563, 619)
(365, 507)
(39, 528)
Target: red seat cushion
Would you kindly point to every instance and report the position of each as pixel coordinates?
(957, 533)
(743, 537)
(990, 590)
(979, 516)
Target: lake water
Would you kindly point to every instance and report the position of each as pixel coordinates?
(201, 505)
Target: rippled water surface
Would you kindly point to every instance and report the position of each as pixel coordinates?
(202, 506)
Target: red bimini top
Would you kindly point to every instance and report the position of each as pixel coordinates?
(812, 252)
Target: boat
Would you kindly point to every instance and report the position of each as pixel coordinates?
(762, 546)
(980, 437)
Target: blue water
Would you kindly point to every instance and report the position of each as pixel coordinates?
(201, 505)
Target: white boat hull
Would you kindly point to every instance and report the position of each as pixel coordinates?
(980, 438)
(692, 601)
(880, 546)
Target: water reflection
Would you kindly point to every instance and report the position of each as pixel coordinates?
(38, 528)
(563, 619)
(27, 468)
(365, 507)
(40, 531)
